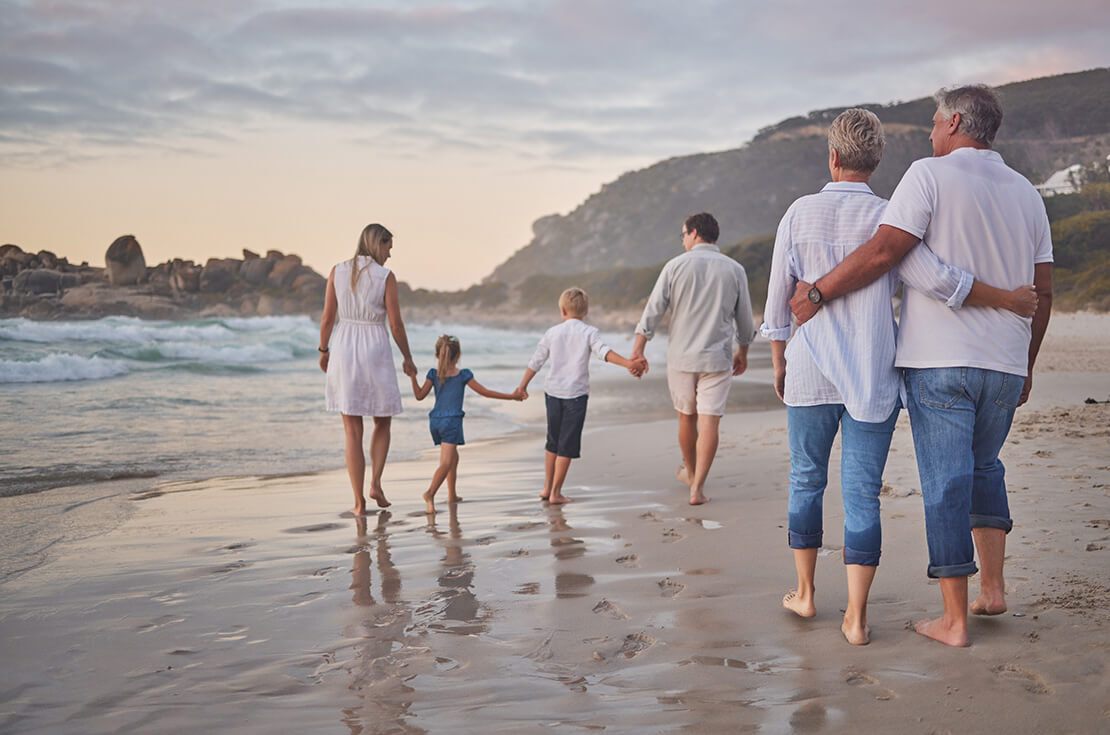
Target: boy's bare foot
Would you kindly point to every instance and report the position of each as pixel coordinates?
(855, 633)
(697, 497)
(800, 606)
(378, 496)
(682, 475)
(429, 503)
(940, 630)
(988, 604)
(559, 499)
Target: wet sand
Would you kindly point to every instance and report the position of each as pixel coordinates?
(253, 605)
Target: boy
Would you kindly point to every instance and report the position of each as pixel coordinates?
(567, 386)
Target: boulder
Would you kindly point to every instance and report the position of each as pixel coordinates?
(9, 266)
(249, 255)
(48, 259)
(125, 263)
(256, 271)
(44, 280)
(185, 276)
(9, 248)
(219, 274)
(274, 255)
(284, 271)
(309, 282)
(267, 305)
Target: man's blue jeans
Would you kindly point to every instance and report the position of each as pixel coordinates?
(862, 459)
(960, 418)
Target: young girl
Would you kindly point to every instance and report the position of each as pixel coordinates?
(446, 418)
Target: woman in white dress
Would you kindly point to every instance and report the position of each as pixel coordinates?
(358, 360)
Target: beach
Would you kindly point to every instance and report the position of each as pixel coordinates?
(253, 604)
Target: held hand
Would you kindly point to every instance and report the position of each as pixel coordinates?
(803, 308)
(519, 394)
(1026, 390)
(1023, 301)
(780, 384)
(324, 361)
(739, 363)
(409, 368)
(638, 367)
(639, 357)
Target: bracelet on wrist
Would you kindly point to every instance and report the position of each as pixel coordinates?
(323, 350)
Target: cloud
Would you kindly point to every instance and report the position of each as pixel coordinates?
(560, 79)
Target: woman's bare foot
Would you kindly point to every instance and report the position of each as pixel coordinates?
(454, 499)
(855, 632)
(559, 499)
(358, 510)
(989, 604)
(429, 503)
(697, 497)
(682, 475)
(800, 606)
(942, 631)
(378, 496)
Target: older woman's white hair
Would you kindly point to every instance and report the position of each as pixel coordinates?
(979, 109)
(857, 137)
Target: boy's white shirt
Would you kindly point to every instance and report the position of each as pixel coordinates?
(568, 345)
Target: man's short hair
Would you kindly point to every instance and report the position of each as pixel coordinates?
(705, 224)
(575, 302)
(979, 107)
(857, 136)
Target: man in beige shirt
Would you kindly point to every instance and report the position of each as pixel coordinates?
(711, 311)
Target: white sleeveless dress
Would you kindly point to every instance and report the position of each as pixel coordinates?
(362, 380)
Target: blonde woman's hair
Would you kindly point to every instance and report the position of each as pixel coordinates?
(371, 243)
(575, 302)
(448, 351)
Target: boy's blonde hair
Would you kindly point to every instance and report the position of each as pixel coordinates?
(575, 302)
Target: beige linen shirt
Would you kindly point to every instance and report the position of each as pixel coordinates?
(711, 309)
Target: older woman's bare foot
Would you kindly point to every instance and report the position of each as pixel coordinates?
(989, 604)
(855, 632)
(943, 631)
(454, 499)
(429, 502)
(682, 475)
(697, 497)
(358, 510)
(378, 496)
(799, 605)
(559, 500)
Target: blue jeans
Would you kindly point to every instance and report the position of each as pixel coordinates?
(960, 418)
(862, 459)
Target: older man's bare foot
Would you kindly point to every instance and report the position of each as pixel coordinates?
(987, 604)
(378, 496)
(697, 497)
(429, 502)
(943, 631)
(559, 499)
(855, 632)
(682, 475)
(801, 606)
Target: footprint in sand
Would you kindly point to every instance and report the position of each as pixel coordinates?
(316, 528)
(670, 536)
(610, 610)
(855, 677)
(629, 560)
(650, 516)
(634, 644)
(1031, 681)
(669, 587)
(517, 553)
(528, 588)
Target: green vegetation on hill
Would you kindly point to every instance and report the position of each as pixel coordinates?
(1081, 245)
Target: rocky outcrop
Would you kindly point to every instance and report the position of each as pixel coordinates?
(43, 286)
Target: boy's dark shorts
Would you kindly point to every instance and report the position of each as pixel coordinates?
(446, 429)
(565, 419)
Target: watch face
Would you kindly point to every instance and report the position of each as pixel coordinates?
(815, 295)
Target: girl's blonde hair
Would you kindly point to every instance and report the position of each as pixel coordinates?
(448, 351)
(371, 243)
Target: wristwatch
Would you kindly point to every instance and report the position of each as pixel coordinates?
(815, 296)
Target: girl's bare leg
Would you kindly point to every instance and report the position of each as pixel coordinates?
(452, 478)
(448, 456)
(356, 460)
(379, 450)
(548, 474)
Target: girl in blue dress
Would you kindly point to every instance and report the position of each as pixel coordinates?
(446, 418)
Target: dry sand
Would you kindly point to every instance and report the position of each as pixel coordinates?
(251, 605)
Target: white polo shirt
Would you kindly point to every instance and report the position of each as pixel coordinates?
(978, 214)
(569, 346)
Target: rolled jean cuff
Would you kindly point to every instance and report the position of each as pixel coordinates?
(804, 540)
(1004, 524)
(863, 558)
(952, 570)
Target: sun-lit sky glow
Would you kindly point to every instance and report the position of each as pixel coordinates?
(204, 127)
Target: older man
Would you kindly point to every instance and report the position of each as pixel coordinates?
(837, 374)
(707, 293)
(966, 370)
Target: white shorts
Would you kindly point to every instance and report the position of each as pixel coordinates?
(700, 393)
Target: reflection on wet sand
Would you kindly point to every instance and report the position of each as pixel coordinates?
(565, 546)
(454, 603)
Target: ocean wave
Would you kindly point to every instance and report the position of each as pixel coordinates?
(60, 367)
(132, 330)
(208, 353)
(37, 480)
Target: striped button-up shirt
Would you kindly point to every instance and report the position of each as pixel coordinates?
(845, 354)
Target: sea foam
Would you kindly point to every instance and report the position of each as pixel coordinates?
(60, 367)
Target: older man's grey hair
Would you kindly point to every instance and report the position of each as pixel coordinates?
(857, 135)
(979, 108)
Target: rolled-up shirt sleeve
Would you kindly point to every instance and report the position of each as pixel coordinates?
(598, 346)
(923, 271)
(656, 305)
(776, 313)
(539, 357)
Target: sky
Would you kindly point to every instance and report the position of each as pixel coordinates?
(204, 127)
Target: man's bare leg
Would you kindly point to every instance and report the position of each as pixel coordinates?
(379, 450)
(854, 627)
(562, 465)
(991, 545)
(709, 430)
(950, 628)
(800, 599)
(548, 474)
(688, 445)
(355, 459)
(452, 478)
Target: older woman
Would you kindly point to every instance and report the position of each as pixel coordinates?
(841, 374)
(357, 357)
